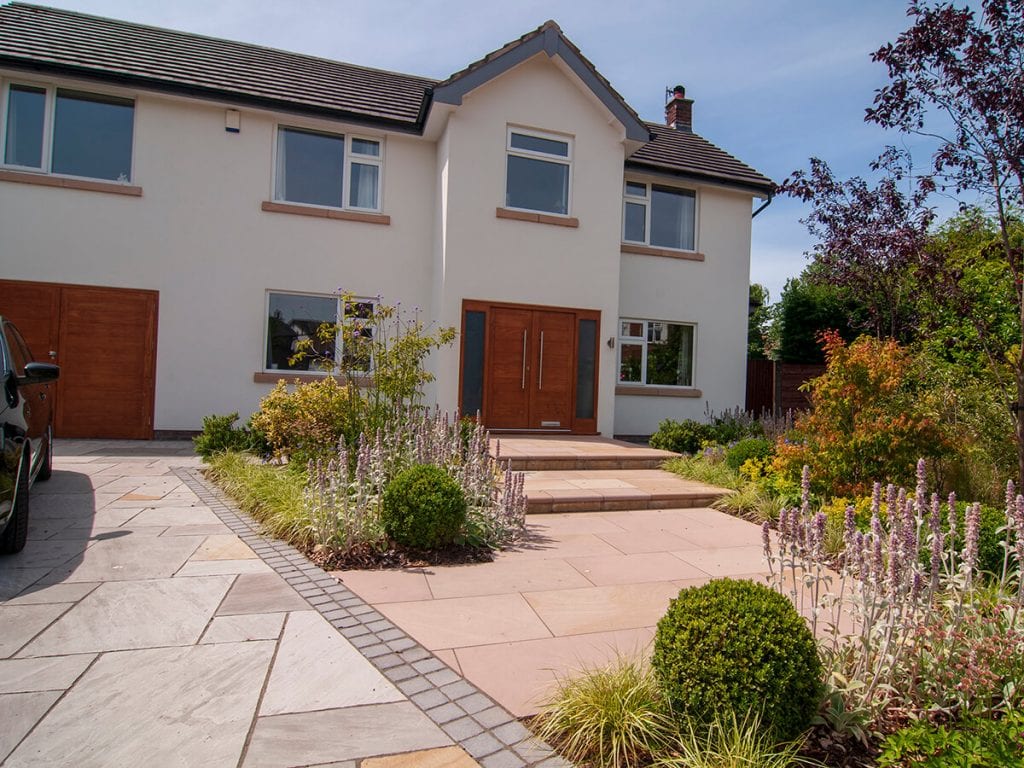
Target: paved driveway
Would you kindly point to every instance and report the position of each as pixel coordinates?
(146, 623)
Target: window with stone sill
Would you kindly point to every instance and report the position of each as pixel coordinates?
(328, 169)
(538, 172)
(656, 353)
(659, 216)
(295, 317)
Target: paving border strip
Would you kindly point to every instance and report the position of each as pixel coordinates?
(484, 729)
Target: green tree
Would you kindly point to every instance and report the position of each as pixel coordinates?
(808, 307)
(758, 322)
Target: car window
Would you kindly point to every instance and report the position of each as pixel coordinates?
(17, 348)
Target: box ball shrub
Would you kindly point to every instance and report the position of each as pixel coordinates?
(423, 508)
(736, 647)
(748, 448)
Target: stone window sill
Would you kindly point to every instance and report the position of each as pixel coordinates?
(326, 213)
(537, 218)
(669, 253)
(290, 377)
(47, 180)
(644, 391)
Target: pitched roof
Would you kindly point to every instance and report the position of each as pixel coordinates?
(72, 43)
(687, 154)
(550, 39)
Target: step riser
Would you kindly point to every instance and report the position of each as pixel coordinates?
(548, 506)
(548, 464)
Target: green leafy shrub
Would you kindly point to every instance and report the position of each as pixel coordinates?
(681, 436)
(220, 435)
(748, 448)
(609, 716)
(731, 426)
(308, 422)
(975, 742)
(423, 508)
(738, 647)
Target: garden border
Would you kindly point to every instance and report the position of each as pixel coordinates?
(484, 729)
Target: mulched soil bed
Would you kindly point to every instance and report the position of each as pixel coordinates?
(366, 557)
(829, 748)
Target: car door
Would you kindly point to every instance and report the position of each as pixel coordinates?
(31, 399)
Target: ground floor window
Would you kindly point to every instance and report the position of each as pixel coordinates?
(295, 317)
(656, 353)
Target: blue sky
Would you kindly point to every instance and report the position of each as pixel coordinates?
(773, 82)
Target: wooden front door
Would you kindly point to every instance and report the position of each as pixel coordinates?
(104, 340)
(521, 367)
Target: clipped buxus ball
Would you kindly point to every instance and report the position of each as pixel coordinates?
(423, 508)
(740, 647)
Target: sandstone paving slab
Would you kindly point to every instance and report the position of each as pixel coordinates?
(53, 593)
(136, 614)
(162, 707)
(18, 713)
(44, 528)
(224, 547)
(731, 534)
(386, 586)
(196, 529)
(634, 569)
(77, 506)
(503, 577)
(726, 561)
(445, 757)
(245, 627)
(463, 621)
(100, 533)
(53, 673)
(20, 623)
(522, 675)
(448, 657)
(572, 522)
(261, 593)
(316, 668)
(313, 738)
(640, 542)
(127, 558)
(583, 611)
(175, 515)
(15, 580)
(217, 567)
(567, 545)
(46, 554)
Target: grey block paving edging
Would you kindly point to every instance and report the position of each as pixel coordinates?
(487, 731)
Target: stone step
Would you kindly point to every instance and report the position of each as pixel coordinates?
(607, 490)
(570, 463)
(539, 453)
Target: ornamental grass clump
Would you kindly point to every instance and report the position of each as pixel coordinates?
(910, 624)
(735, 648)
(612, 717)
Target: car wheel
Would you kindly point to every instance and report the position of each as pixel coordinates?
(13, 538)
(46, 465)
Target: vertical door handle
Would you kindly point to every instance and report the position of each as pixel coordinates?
(523, 384)
(540, 374)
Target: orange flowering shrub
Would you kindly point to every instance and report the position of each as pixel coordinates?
(865, 422)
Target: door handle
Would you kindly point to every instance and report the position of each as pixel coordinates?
(540, 373)
(523, 384)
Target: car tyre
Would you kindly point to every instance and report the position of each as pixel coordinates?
(12, 540)
(46, 465)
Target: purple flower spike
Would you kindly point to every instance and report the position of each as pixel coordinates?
(766, 538)
(971, 531)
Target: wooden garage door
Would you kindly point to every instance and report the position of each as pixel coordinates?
(104, 340)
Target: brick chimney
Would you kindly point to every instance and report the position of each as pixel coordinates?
(679, 110)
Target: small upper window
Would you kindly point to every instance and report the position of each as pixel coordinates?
(660, 216)
(327, 169)
(89, 135)
(538, 171)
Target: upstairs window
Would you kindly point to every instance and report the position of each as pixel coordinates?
(295, 317)
(327, 169)
(537, 172)
(54, 130)
(663, 217)
(656, 353)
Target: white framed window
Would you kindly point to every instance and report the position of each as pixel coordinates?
(538, 172)
(664, 217)
(328, 169)
(656, 353)
(68, 132)
(295, 317)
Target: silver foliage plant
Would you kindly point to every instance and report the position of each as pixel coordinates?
(344, 495)
(906, 621)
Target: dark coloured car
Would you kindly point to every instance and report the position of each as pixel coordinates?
(26, 432)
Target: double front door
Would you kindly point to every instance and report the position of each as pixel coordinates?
(533, 368)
